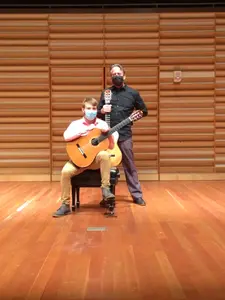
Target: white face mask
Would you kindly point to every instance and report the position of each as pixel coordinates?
(90, 114)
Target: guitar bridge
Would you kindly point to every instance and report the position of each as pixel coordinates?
(81, 151)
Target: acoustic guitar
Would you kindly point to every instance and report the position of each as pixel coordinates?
(115, 153)
(83, 150)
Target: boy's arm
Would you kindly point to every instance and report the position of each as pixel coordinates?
(74, 131)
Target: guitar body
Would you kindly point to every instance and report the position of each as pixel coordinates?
(82, 152)
(115, 153)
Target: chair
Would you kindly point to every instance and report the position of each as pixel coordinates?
(91, 178)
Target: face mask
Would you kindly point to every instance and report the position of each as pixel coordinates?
(90, 114)
(117, 80)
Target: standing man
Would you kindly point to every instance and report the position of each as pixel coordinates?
(124, 100)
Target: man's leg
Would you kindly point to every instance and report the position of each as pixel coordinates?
(130, 171)
(68, 171)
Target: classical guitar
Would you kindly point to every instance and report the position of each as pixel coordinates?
(115, 153)
(83, 150)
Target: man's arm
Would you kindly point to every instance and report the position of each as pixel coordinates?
(140, 105)
(74, 131)
(101, 115)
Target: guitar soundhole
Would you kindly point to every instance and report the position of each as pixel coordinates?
(94, 142)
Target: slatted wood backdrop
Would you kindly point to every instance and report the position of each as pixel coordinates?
(77, 60)
(187, 43)
(132, 40)
(24, 97)
(220, 94)
(50, 62)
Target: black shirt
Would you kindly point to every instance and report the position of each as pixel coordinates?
(124, 101)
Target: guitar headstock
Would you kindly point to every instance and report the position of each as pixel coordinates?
(136, 115)
(107, 96)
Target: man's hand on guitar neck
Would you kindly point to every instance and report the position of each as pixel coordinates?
(106, 108)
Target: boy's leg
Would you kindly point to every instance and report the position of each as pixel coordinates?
(67, 172)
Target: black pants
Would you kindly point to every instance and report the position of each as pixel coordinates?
(129, 167)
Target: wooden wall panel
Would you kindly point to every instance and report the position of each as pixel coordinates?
(24, 97)
(76, 39)
(186, 109)
(70, 85)
(131, 39)
(50, 62)
(145, 133)
(77, 59)
(220, 94)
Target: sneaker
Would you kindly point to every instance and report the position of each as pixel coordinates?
(62, 211)
(105, 203)
(107, 195)
(139, 201)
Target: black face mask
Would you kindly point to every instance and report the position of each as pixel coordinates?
(117, 80)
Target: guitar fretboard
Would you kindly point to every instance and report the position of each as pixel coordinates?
(107, 119)
(102, 137)
(108, 98)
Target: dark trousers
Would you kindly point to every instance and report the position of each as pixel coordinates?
(129, 167)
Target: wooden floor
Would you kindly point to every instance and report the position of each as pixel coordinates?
(174, 248)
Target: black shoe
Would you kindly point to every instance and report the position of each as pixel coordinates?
(139, 201)
(62, 211)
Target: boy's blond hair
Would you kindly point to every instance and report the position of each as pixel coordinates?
(91, 101)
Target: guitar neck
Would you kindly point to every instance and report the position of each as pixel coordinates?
(120, 125)
(125, 122)
(107, 118)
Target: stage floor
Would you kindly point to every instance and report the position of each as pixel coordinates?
(174, 248)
